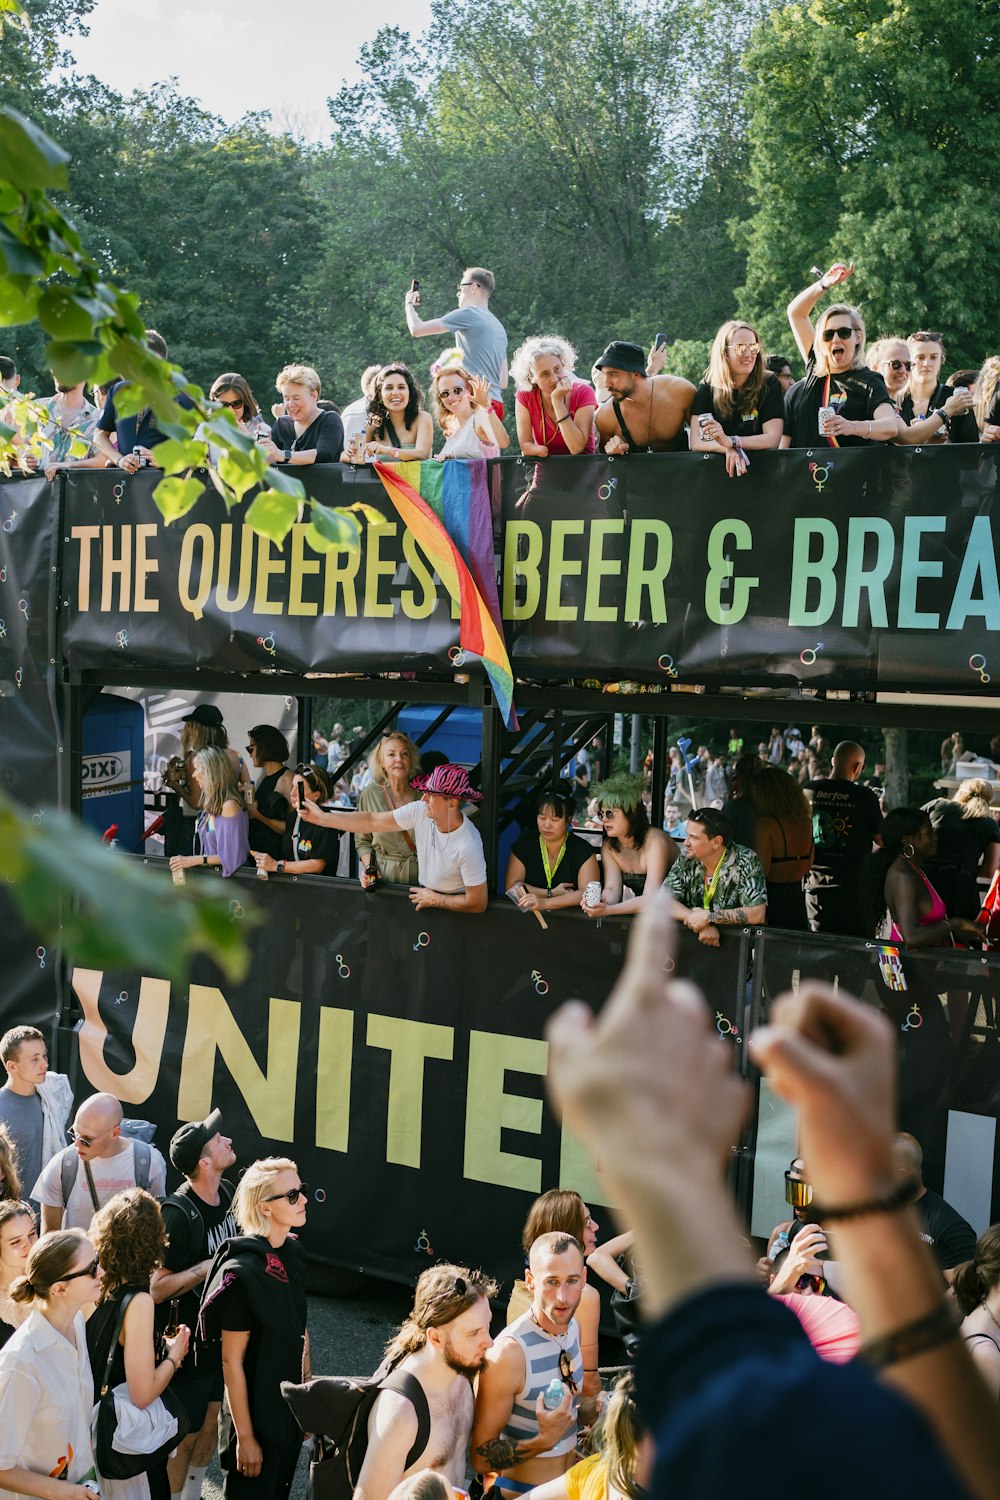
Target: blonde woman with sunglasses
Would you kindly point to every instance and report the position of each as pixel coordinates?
(255, 1301)
(739, 405)
(839, 391)
(465, 415)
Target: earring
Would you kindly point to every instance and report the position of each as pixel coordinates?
(908, 851)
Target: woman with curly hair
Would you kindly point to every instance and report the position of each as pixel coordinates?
(222, 835)
(784, 844)
(977, 1291)
(633, 854)
(129, 1237)
(389, 856)
(397, 423)
(553, 410)
(739, 404)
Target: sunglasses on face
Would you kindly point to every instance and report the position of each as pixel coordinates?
(829, 334)
(90, 1270)
(742, 349)
(798, 1194)
(566, 1370)
(231, 404)
(900, 364)
(818, 1283)
(87, 1140)
(451, 390)
(293, 1195)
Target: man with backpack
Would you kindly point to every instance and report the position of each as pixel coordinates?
(434, 1358)
(101, 1162)
(199, 1219)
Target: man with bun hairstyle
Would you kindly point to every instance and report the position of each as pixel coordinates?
(451, 866)
(199, 1219)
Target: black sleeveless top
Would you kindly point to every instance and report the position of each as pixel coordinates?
(272, 805)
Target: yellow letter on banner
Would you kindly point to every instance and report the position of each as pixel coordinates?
(489, 1110)
(212, 1028)
(148, 1033)
(408, 1043)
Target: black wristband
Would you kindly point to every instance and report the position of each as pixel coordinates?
(566, 418)
(935, 1328)
(902, 1194)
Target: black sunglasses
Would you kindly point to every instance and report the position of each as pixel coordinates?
(829, 334)
(293, 1195)
(90, 1270)
(900, 364)
(566, 1370)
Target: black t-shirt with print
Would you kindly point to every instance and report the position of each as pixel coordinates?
(750, 423)
(855, 395)
(313, 842)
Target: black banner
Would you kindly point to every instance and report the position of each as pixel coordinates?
(397, 1056)
(844, 568)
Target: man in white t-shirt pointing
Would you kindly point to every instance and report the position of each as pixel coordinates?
(451, 866)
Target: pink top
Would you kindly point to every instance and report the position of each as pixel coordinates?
(937, 913)
(831, 1326)
(542, 432)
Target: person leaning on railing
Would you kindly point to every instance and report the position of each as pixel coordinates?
(738, 404)
(554, 411)
(836, 375)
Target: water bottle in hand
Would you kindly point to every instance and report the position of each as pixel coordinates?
(552, 1396)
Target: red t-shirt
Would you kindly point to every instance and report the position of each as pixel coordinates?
(582, 394)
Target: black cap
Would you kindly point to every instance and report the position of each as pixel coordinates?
(621, 355)
(205, 713)
(188, 1142)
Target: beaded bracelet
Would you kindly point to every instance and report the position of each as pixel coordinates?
(902, 1194)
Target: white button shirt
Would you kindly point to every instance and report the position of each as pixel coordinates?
(46, 1402)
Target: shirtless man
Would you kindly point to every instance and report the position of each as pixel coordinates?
(646, 413)
(513, 1433)
(444, 1340)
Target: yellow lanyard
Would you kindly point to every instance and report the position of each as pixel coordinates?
(545, 862)
(710, 886)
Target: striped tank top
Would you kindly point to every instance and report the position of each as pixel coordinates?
(541, 1362)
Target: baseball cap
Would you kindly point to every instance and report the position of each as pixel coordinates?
(188, 1142)
(206, 714)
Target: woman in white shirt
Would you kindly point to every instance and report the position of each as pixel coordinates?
(46, 1386)
(471, 427)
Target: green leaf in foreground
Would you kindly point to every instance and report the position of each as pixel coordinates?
(175, 497)
(273, 515)
(107, 911)
(332, 528)
(31, 161)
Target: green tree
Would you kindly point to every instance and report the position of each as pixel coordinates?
(868, 128)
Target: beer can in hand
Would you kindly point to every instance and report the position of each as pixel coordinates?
(824, 414)
(177, 875)
(592, 894)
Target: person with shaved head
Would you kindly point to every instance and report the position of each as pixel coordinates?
(100, 1163)
(847, 819)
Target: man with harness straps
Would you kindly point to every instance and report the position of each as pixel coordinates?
(441, 1347)
(646, 413)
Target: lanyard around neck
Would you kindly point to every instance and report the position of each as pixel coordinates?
(545, 861)
(712, 885)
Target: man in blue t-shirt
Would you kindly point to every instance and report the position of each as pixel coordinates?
(136, 432)
(481, 337)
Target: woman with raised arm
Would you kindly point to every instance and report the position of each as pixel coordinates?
(553, 410)
(633, 855)
(739, 404)
(465, 415)
(853, 400)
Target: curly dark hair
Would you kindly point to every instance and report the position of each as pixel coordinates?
(377, 412)
(130, 1237)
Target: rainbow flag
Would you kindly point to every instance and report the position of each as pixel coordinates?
(447, 508)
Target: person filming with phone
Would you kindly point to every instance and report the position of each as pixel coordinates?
(305, 848)
(481, 337)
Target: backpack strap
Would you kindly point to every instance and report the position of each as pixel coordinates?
(143, 1161)
(405, 1384)
(68, 1168)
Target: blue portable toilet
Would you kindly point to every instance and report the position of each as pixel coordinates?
(459, 736)
(112, 768)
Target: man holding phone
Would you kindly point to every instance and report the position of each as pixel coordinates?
(481, 337)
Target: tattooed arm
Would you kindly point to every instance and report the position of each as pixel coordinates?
(499, 1383)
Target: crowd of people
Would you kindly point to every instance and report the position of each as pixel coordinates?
(852, 393)
(873, 1295)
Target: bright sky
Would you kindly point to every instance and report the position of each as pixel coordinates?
(240, 55)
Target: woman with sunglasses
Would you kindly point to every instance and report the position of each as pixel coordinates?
(222, 834)
(389, 856)
(234, 394)
(46, 1386)
(130, 1238)
(633, 855)
(306, 848)
(397, 425)
(465, 415)
(853, 400)
(272, 795)
(255, 1300)
(739, 404)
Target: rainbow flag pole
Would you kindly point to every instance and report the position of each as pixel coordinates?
(447, 508)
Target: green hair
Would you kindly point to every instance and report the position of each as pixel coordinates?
(623, 790)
